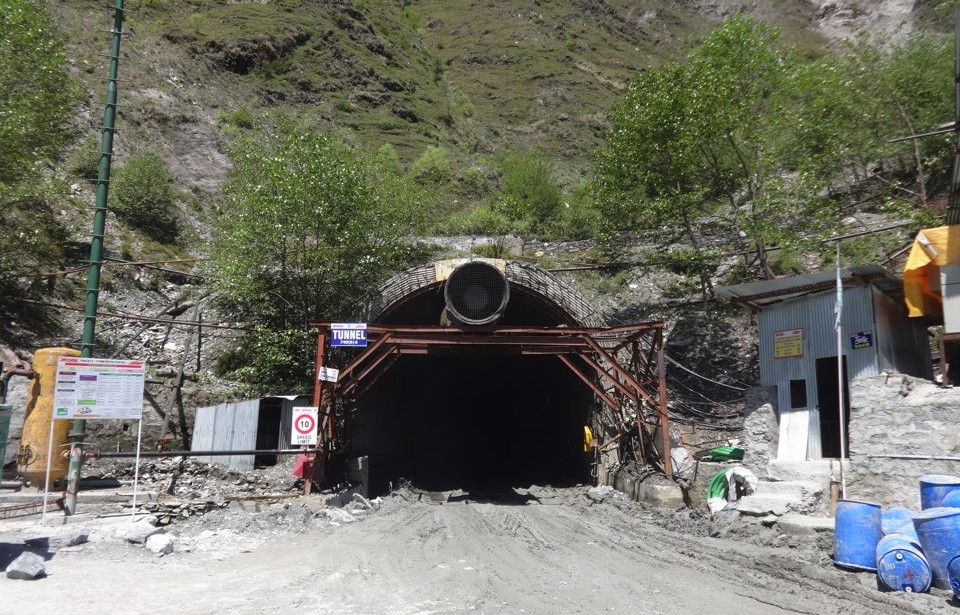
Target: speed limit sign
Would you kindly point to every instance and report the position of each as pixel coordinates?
(304, 428)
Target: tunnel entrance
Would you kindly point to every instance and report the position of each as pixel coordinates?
(449, 406)
(474, 422)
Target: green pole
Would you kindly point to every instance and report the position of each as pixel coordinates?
(96, 250)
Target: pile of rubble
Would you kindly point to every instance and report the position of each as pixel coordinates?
(168, 511)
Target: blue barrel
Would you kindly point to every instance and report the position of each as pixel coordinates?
(894, 518)
(901, 565)
(952, 499)
(939, 533)
(856, 534)
(953, 573)
(907, 529)
(934, 487)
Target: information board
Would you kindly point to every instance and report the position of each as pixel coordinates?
(98, 389)
(328, 374)
(788, 343)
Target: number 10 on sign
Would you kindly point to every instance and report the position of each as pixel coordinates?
(304, 427)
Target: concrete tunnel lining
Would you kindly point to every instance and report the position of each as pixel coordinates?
(475, 421)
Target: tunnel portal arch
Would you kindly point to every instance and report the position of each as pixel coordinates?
(481, 413)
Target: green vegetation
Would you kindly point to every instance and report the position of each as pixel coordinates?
(748, 145)
(143, 195)
(36, 99)
(36, 96)
(312, 231)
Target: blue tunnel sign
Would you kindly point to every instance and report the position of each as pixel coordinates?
(348, 334)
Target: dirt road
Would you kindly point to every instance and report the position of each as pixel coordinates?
(543, 552)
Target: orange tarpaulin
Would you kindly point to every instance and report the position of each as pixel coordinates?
(933, 248)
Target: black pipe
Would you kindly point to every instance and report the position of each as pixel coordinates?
(133, 454)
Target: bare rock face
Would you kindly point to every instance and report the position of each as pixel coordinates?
(838, 19)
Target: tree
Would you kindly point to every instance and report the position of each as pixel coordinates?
(310, 234)
(35, 103)
(35, 94)
(746, 145)
(687, 160)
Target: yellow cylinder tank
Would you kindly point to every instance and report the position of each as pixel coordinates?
(32, 460)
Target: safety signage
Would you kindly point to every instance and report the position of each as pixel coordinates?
(328, 374)
(863, 339)
(98, 389)
(348, 334)
(304, 427)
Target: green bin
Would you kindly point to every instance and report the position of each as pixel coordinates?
(6, 410)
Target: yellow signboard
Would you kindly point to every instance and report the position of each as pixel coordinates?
(788, 343)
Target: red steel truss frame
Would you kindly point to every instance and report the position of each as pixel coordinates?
(623, 366)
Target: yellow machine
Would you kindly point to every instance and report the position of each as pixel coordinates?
(32, 457)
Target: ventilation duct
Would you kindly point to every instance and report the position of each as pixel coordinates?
(476, 293)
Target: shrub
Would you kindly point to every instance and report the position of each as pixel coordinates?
(432, 167)
(84, 161)
(143, 195)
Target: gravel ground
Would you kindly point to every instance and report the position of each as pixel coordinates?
(537, 550)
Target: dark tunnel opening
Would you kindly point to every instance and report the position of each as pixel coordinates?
(474, 421)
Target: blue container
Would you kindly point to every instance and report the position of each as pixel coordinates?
(901, 565)
(907, 529)
(856, 534)
(939, 533)
(934, 487)
(894, 518)
(953, 572)
(952, 499)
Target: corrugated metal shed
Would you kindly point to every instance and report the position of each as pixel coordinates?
(255, 424)
(798, 346)
(766, 292)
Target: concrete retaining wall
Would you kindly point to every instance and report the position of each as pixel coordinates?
(894, 415)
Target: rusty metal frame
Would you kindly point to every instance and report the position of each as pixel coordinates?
(627, 358)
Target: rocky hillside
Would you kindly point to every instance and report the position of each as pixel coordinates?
(475, 78)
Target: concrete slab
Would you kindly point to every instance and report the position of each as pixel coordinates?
(661, 496)
(763, 505)
(817, 470)
(799, 489)
(793, 523)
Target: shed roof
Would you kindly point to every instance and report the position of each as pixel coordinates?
(761, 294)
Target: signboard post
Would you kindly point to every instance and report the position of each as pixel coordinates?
(348, 334)
(303, 431)
(98, 389)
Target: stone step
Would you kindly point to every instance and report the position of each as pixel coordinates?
(793, 523)
(801, 490)
(819, 470)
(763, 505)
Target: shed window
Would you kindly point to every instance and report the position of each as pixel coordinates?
(798, 393)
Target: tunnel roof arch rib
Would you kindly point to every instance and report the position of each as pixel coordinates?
(551, 294)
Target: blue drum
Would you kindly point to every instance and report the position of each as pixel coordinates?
(856, 534)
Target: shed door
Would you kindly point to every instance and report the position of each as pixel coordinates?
(828, 400)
